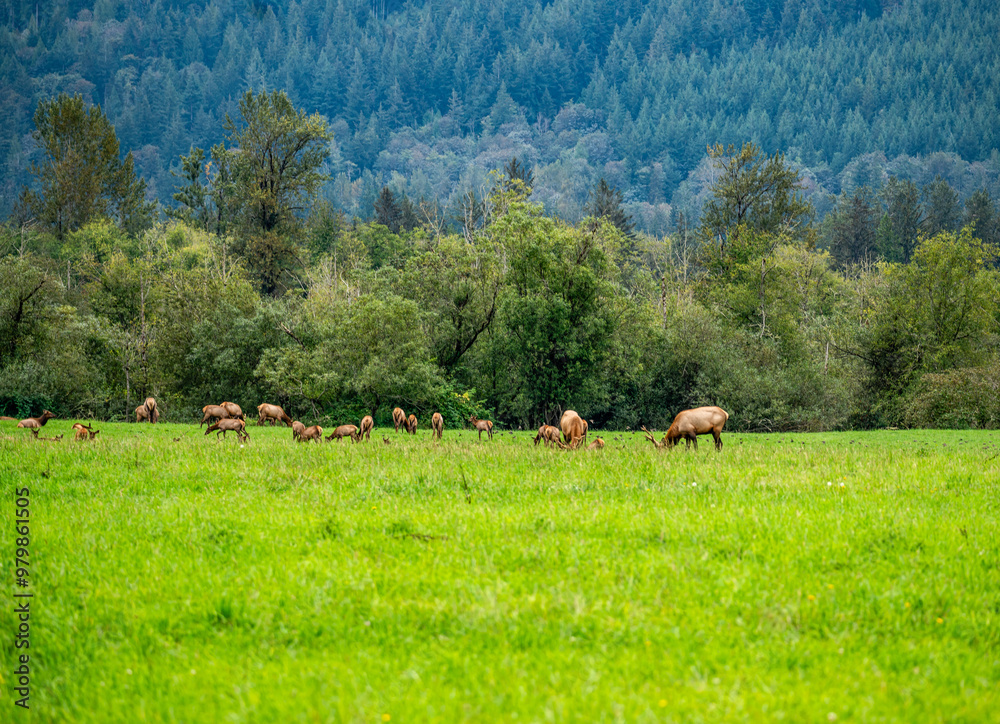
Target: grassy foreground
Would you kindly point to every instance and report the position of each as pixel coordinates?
(809, 578)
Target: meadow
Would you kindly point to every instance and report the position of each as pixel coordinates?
(797, 577)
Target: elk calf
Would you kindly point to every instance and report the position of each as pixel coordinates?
(313, 432)
(482, 426)
(297, 429)
(547, 434)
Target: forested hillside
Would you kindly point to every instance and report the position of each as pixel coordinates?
(428, 97)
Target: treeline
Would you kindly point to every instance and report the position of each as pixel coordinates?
(427, 98)
(257, 291)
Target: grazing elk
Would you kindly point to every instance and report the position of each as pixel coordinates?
(227, 424)
(234, 410)
(272, 413)
(367, 424)
(345, 431)
(211, 411)
(297, 429)
(83, 432)
(313, 432)
(398, 418)
(689, 424)
(34, 423)
(482, 426)
(437, 425)
(574, 428)
(411, 424)
(547, 434)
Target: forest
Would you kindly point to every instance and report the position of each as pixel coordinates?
(476, 214)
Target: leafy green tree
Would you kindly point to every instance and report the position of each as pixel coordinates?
(606, 202)
(274, 156)
(82, 175)
(754, 191)
(27, 294)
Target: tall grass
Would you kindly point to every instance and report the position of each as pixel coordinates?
(800, 577)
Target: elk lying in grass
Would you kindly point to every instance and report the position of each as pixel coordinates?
(483, 426)
(213, 411)
(234, 410)
(227, 424)
(83, 432)
(6, 418)
(367, 424)
(437, 425)
(272, 413)
(297, 429)
(598, 444)
(34, 423)
(398, 418)
(345, 431)
(57, 438)
(574, 428)
(691, 423)
(313, 432)
(547, 434)
(411, 424)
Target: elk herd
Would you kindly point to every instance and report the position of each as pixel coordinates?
(570, 435)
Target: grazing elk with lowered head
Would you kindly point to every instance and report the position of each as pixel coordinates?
(398, 418)
(313, 432)
(343, 431)
(297, 429)
(272, 413)
(547, 434)
(437, 425)
(213, 411)
(35, 423)
(574, 428)
(367, 424)
(689, 424)
(411, 424)
(227, 424)
(482, 426)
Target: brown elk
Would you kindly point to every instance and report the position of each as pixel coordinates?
(691, 423)
(411, 424)
(398, 418)
(297, 429)
(34, 423)
(345, 431)
(367, 424)
(547, 434)
(598, 444)
(154, 413)
(142, 413)
(7, 418)
(483, 426)
(227, 424)
(437, 425)
(234, 410)
(57, 438)
(213, 411)
(313, 432)
(574, 428)
(84, 432)
(274, 413)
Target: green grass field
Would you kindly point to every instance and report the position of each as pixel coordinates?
(805, 578)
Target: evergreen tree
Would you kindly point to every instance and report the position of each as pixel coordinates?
(81, 176)
(900, 225)
(853, 226)
(606, 202)
(943, 212)
(518, 175)
(981, 214)
(387, 211)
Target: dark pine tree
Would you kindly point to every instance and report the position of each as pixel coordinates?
(606, 202)
(387, 211)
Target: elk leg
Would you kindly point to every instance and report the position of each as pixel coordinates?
(718, 439)
(694, 439)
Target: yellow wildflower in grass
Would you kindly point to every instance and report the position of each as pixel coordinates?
(386, 717)
(812, 597)
(940, 620)
(663, 703)
(906, 605)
